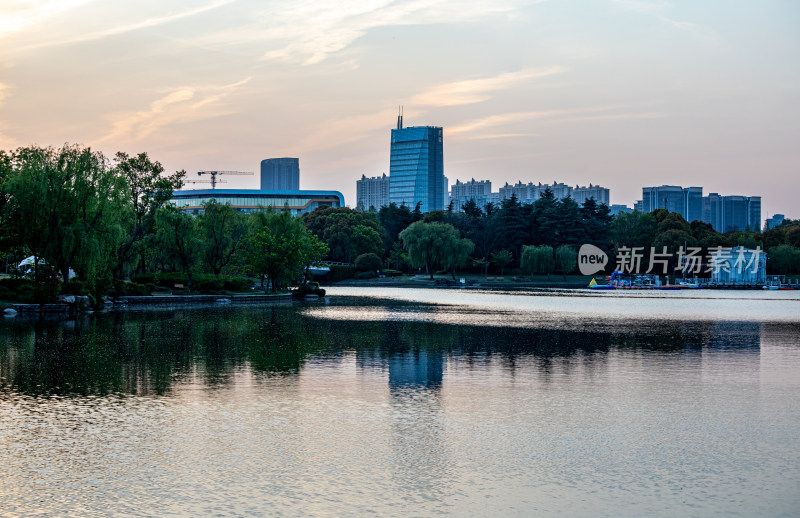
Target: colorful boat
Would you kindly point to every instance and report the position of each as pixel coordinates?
(594, 286)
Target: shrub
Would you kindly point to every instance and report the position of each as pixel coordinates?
(133, 289)
(14, 284)
(144, 278)
(366, 275)
(74, 287)
(207, 284)
(368, 262)
(7, 295)
(169, 280)
(233, 283)
(18, 289)
(392, 273)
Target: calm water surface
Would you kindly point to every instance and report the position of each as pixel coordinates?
(409, 402)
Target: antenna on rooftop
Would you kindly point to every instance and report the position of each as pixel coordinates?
(399, 117)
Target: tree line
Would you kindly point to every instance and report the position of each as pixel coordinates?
(93, 223)
(530, 238)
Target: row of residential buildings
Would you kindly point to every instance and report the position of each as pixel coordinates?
(375, 192)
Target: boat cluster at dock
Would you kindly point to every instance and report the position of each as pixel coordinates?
(618, 281)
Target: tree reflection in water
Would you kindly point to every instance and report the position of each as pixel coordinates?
(147, 352)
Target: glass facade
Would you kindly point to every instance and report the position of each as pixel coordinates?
(280, 174)
(732, 213)
(416, 168)
(688, 202)
(247, 200)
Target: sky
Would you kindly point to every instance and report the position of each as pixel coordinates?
(621, 93)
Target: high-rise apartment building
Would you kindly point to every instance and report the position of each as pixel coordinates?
(530, 192)
(581, 194)
(416, 167)
(462, 192)
(280, 174)
(372, 192)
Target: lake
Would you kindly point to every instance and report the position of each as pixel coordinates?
(409, 402)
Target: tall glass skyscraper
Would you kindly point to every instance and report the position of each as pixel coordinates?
(416, 167)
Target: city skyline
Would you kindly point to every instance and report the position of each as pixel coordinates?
(618, 93)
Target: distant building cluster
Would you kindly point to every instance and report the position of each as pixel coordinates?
(724, 213)
(280, 189)
(416, 178)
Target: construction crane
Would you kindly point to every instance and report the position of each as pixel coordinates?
(204, 181)
(214, 174)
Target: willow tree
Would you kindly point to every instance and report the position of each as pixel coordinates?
(537, 259)
(146, 189)
(430, 244)
(67, 207)
(566, 259)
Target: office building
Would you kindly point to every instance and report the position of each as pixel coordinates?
(372, 192)
(416, 167)
(275, 172)
(685, 201)
(254, 200)
(724, 213)
(280, 174)
(732, 213)
(619, 209)
(774, 221)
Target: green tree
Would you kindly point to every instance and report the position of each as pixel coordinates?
(502, 258)
(571, 228)
(633, 229)
(67, 209)
(566, 259)
(146, 189)
(429, 244)
(178, 238)
(397, 256)
(223, 231)
(348, 233)
(485, 233)
(456, 253)
(538, 259)
(394, 219)
(280, 247)
(368, 262)
(543, 223)
(784, 260)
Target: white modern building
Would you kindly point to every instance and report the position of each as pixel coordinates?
(738, 265)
